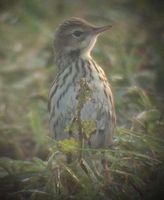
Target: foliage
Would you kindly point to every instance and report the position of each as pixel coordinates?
(32, 165)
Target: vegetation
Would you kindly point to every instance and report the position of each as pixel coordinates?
(32, 165)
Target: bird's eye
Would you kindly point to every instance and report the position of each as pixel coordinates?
(77, 33)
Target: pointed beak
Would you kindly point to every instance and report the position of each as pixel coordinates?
(98, 30)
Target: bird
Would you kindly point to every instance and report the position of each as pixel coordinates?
(73, 42)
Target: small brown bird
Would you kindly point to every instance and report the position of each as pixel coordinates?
(74, 40)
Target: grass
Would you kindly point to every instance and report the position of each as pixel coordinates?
(32, 164)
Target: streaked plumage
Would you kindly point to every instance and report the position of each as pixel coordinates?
(74, 63)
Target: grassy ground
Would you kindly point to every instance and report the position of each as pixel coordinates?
(31, 166)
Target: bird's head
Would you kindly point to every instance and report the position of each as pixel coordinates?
(77, 35)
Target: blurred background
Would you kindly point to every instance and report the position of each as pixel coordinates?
(131, 55)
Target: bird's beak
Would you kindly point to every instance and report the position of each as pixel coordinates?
(98, 30)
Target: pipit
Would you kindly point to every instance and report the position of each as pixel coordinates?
(74, 41)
